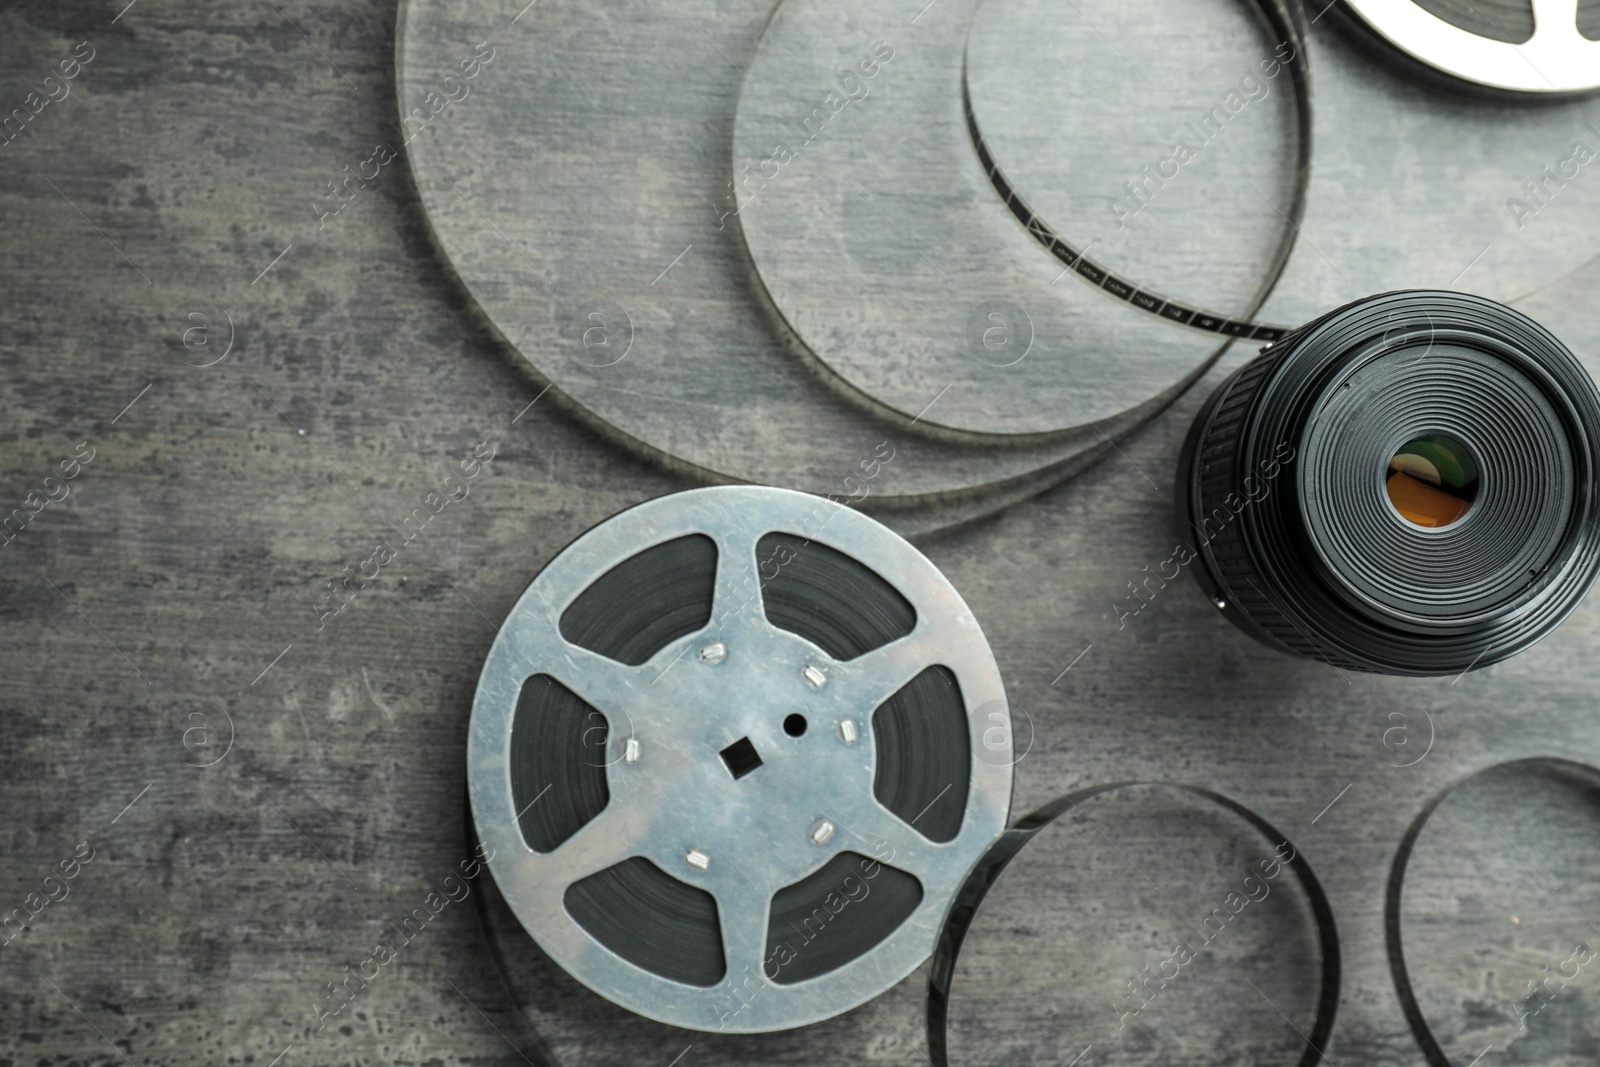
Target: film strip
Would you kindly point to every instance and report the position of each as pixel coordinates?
(569, 746)
(951, 1006)
(1284, 21)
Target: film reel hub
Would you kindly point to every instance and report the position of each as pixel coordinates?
(728, 770)
(1407, 485)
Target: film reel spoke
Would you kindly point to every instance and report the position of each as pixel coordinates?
(1558, 18)
(736, 596)
(873, 678)
(881, 834)
(743, 916)
(606, 685)
(1556, 36)
(603, 842)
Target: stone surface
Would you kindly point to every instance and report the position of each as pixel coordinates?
(172, 611)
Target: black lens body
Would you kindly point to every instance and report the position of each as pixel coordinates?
(1281, 487)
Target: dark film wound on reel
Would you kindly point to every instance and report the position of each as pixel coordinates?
(1406, 485)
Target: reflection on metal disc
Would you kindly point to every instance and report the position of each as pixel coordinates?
(1551, 47)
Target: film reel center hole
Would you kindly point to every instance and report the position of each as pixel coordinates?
(1431, 481)
(741, 757)
(794, 724)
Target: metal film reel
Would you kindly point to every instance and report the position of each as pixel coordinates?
(734, 751)
(1548, 47)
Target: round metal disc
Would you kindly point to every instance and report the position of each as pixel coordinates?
(885, 246)
(1556, 58)
(673, 797)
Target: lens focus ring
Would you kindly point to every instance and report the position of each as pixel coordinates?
(1406, 485)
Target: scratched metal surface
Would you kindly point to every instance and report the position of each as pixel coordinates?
(252, 786)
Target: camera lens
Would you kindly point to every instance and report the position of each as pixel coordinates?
(1406, 485)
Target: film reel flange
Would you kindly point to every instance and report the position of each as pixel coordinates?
(734, 751)
(1557, 58)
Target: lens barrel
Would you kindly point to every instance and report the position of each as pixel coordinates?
(1297, 536)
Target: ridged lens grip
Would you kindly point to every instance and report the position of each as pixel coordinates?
(1281, 488)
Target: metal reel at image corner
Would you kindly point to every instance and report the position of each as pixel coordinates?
(734, 751)
(1503, 47)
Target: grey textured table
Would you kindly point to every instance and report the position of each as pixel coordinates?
(264, 786)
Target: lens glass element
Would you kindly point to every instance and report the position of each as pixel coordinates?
(1431, 480)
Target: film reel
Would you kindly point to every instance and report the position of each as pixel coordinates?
(734, 751)
(1545, 48)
